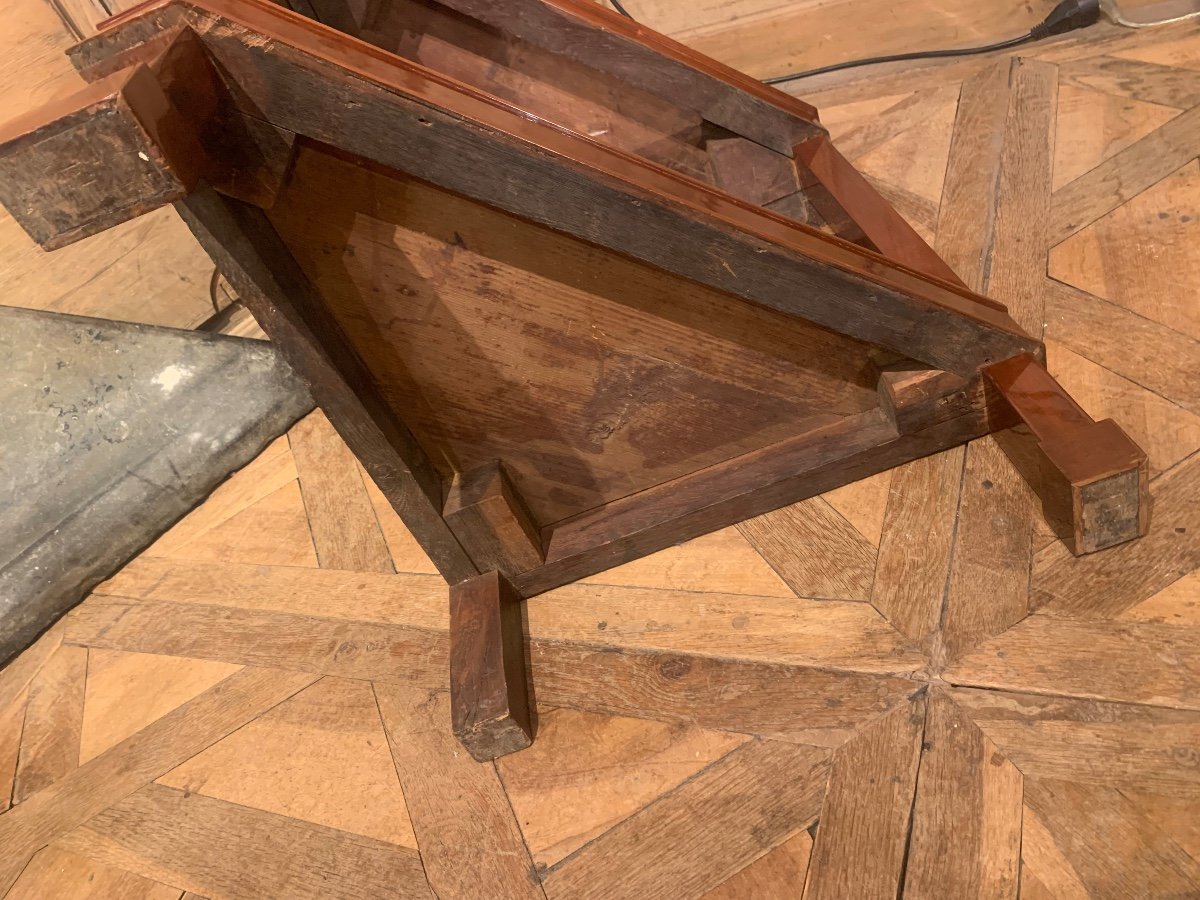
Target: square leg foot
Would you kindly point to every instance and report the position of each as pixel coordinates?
(489, 688)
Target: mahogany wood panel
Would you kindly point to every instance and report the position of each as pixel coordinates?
(750, 171)
(743, 487)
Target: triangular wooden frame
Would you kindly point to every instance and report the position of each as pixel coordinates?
(806, 335)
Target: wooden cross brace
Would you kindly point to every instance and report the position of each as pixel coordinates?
(622, 336)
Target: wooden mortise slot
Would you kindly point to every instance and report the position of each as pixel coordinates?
(1093, 479)
(530, 232)
(489, 699)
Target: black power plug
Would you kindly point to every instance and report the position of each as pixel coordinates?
(1067, 16)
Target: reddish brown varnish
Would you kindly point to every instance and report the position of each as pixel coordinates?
(571, 293)
(1093, 469)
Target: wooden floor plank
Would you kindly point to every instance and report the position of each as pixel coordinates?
(1104, 585)
(966, 828)
(587, 772)
(465, 827)
(863, 504)
(137, 760)
(753, 799)
(344, 528)
(53, 723)
(794, 37)
(128, 691)
(863, 832)
(1113, 848)
(815, 550)
(274, 531)
(1092, 742)
(16, 675)
(915, 159)
(1111, 257)
(909, 587)
(796, 703)
(1094, 127)
(832, 634)
(1173, 813)
(271, 470)
(1176, 604)
(320, 756)
(812, 706)
(1147, 353)
(988, 588)
(1152, 83)
(58, 873)
(1017, 275)
(12, 720)
(1129, 662)
(220, 849)
(779, 873)
(722, 562)
(1045, 870)
(363, 650)
(966, 219)
(896, 119)
(1124, 176)
(989, 582)
(837, 635)
(359, 596)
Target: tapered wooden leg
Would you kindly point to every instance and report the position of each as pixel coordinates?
(1091, 477)
(489, 699)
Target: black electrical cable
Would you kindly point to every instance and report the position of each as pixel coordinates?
(1066, 16)
(619, 8)
(901, 57)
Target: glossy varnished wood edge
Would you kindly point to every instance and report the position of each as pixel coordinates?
(398, 75)
(610, 20)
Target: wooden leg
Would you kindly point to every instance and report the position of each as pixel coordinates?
(489, 699)
(1092, 478)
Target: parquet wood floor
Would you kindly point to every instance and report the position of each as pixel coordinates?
(905, 687)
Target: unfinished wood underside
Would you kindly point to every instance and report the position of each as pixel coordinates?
(592, 376)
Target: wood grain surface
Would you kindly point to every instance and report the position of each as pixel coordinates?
(905, 687)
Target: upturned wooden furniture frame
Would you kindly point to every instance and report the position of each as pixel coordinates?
(571, 292)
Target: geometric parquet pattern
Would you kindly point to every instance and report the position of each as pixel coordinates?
(906, 687)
